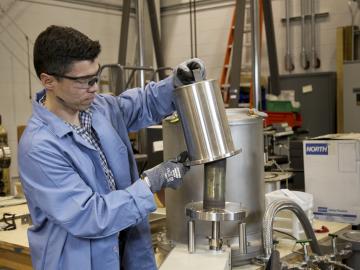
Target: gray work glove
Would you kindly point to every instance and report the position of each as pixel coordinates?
(183, 73)
(167, 174)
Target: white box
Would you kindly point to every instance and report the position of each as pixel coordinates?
(332, 175)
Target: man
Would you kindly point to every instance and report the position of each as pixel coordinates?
(88, 205)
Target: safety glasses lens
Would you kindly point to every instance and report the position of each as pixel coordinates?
(93, 81)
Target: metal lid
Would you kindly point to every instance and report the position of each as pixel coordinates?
(277, 176)
(236, 116)
(352, 237)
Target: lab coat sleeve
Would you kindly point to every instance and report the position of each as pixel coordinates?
(142, 108)
(53, 185)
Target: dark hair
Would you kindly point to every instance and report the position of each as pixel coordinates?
(57, 47)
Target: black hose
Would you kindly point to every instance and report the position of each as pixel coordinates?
(287, 234)
(274, 261)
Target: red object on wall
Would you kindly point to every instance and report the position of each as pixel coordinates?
(293, 119)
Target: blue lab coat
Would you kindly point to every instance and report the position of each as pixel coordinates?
(76, 218)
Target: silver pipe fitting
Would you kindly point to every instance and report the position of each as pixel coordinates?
(306, 253)
(333, 245)
(268, 220)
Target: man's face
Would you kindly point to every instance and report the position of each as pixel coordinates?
(76, 89)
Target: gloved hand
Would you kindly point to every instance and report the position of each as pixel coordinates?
(167, 174)
(183, 73)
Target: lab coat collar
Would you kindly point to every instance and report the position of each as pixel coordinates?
(56, 124)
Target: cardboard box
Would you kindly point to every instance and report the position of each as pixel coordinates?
(332, 175)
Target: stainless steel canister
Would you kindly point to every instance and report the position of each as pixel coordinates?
(244, 184)
(203, 118)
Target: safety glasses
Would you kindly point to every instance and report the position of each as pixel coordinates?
(82, 82)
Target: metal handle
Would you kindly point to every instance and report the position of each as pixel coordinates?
(197, 75)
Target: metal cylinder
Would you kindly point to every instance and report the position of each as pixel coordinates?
(273, 180)
(244, 183)
(271, 186)
(242, 238)
(191, 236)
(352, 237)
(203, 118)
(214, 184)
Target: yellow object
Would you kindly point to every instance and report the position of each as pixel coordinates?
(19, 190)
(6, 180)
(158, 202)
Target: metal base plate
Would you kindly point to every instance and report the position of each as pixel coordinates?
(231, 212)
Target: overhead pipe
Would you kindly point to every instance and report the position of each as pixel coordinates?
(271, 46)
(289, 65)
(305, 63)
(140, 25)
(315, 61)
(160, 62)
(256, 51)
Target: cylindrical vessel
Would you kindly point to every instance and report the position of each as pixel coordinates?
(273, 180)
(244, 183)
(214, 184)
(354, 238)
(203, 118)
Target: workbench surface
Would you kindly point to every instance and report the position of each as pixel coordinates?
(14, 245)
(287, 248)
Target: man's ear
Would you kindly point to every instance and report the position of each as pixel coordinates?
(48, 81)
